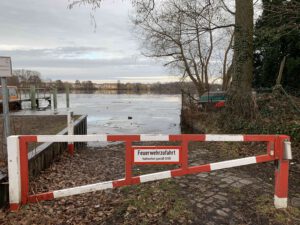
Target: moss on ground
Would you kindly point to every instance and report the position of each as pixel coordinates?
(265, 207)
(155, 203)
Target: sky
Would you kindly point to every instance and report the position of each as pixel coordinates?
(46, 36)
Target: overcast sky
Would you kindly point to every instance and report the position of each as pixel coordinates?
(46, 36)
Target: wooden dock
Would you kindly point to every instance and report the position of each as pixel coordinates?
(32, 95)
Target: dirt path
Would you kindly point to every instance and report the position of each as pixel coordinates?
(231, 196)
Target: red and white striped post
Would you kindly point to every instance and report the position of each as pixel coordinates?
(70, 132)
(283, 148)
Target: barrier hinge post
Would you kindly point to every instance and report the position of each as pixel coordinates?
(283, 147)
(287, 152)
(70, 132)
(14, 175)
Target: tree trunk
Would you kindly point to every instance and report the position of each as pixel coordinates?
(240, 101)
(279, 77)
(227, 71)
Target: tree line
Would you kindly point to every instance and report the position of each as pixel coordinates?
(26, 78)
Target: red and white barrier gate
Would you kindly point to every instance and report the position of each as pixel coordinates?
(278, 149)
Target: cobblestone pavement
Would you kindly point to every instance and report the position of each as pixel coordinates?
(213, 194)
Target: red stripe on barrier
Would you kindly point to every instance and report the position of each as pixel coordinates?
(187, 137)
(121, 183)
(123, 138)
(199, 169)
(178, 172)
(14, 207)
(40, 197)
(264, 158)
(71, 149)
(191, 170)
(258, 138)
(23, 140)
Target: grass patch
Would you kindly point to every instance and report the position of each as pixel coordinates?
(265, 208)
(154, 203)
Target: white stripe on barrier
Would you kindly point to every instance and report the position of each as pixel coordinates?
(13, 156)
(216, 137)
(71, 138)
(233, 163)
(155, 176)
(280, 203)
(83, 189)
(154, 137)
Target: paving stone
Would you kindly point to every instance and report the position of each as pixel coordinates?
(226, 210)
(182, 185)
(202, 175)
(222, 175)
(237, 185)
(227, 180)
(220, 203)
(235, 178)
(208, 201)
(222, 193)
(295, 202)
(245, 181)
(221, 213)
(223, 185)
(209, 193)
(220, 197)
(199, 199)
(209, 209)
(254, 186)
(199, 205)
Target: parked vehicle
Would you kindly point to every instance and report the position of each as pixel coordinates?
(214, 98)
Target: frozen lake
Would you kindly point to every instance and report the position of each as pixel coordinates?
(108, 113)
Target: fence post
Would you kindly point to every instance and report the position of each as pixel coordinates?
(32, 97)
(283, 149)
(70, 132)
(55, 99)
(68, 96)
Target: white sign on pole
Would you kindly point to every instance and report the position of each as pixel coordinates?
(5, 67)
(156, 155)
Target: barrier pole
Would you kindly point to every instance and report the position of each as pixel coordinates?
(282, 172)
(70, 131)
(14, 176)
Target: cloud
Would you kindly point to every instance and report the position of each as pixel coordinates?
(63, 44)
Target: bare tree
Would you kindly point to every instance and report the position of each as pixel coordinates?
(28, 77)
(183, 32)
(227, 67)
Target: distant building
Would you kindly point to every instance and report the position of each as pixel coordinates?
(109, 86)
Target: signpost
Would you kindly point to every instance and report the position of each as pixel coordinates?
(5, 71)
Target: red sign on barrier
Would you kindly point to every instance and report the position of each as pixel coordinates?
(156, 154)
